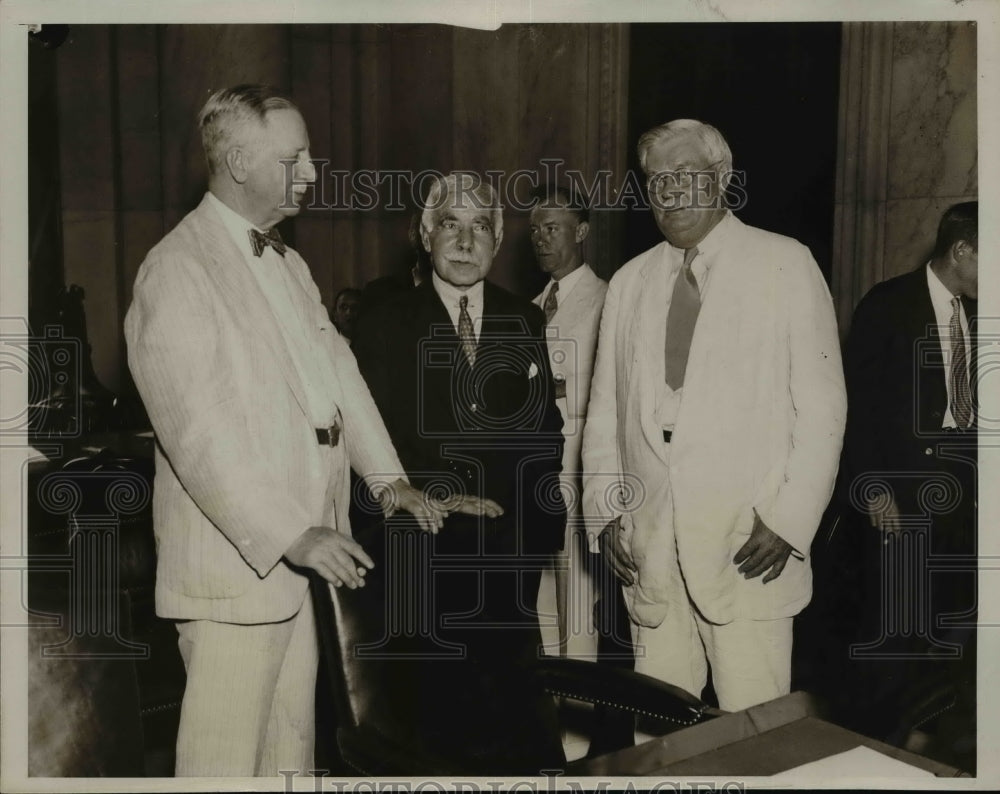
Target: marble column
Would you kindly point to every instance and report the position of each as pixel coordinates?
(907, 147)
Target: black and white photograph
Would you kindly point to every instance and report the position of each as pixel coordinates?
(513, 395)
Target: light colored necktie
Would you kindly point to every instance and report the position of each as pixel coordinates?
(961, 395)
(466, 333)
(684, 307)
(551, 302)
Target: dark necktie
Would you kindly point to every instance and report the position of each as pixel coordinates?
(551, 302)
(681, 318)
(961, 396)
(261, 240)
(466, 333)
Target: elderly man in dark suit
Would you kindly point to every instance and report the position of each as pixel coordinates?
(909, 472)
(459, 371)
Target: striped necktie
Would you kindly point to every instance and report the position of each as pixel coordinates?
(466, 333)
(961, 395)
(551, 302)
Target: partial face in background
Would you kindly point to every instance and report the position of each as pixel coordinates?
(345, 312)
(556, 234)
(684, 190)
(461, 243)
(965, 259)
(275, 168)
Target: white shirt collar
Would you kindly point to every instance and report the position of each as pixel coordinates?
(941, 297)
(235, 224)
(450, 294)
(715, 240)
(566, 283)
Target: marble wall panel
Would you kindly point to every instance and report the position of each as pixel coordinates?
(932, 146)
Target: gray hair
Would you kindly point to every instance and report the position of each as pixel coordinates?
(228, 114)
(464, 189)
(710, 140)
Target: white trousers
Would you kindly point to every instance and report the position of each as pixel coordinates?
(566, 600)
(751, 660)
(249, 703)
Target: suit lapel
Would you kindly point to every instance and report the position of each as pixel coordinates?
(226, 266)
(638, 344)
(570, 311)
(929, 363)
(971, 314)
(433, 334)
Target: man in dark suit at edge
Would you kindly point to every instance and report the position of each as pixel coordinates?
(909, 474)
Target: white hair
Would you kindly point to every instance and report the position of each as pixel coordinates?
(709, 139)
(461, 189)
(232, 116)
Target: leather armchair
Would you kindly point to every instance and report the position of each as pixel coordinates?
(497, 723)
(105, 674)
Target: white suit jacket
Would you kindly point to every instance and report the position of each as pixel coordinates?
(572, 345)
(759, 427)
(239, 472)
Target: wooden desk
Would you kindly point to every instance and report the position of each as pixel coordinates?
(763, 740)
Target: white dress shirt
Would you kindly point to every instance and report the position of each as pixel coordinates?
(450, 296)
(653, 320)
(271, 272)
(566, 284)
(941, 298)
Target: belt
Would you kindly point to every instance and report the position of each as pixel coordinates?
(328, 436)
(667, 434)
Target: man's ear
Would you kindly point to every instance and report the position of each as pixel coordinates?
(582, 230)
(961, 249)
(425, 238)
(238, 163)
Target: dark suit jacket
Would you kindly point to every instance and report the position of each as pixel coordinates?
(896, 386)
(493, 430)
(897, 397)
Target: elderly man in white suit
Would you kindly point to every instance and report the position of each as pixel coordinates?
(715, 424)
(572, 302)
(259, 411)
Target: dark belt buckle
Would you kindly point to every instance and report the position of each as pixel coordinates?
(328, 436)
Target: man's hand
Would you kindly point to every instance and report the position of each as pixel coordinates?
(763, 551)
(336, 557)
(614, 553)
(882, 514)
(400, 495)
(471, 506)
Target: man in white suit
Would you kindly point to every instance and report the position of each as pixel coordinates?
(259, 413)
(572, 302)
(715, 424)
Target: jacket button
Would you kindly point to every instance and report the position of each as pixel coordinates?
(928, 451)
(474, 407)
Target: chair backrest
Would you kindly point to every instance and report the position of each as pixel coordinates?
(367, 650)
(405, 705)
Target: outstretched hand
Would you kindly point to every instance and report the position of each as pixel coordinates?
(400, 495)
(471, 506)
(763, 551)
